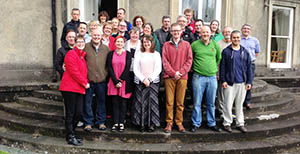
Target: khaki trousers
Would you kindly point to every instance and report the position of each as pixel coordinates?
(172, 86)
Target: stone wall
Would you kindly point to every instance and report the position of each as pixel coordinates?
(26, 42)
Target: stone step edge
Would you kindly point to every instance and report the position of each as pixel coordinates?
(47, 144)
(271, 128)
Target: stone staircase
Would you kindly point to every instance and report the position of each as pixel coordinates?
(35, 122)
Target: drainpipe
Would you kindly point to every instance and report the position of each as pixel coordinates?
(54, 29)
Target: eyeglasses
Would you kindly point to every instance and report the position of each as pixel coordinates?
(176, 31)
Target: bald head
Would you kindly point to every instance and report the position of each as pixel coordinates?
(96, 36)
(205, 33)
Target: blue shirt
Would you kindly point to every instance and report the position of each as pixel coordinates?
(252, 46)
(238, 71)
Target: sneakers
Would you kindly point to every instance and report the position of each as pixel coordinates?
(80, 124)
(242, 129)
(102, 127)
(215, 128)
(193, 128)
(181, 129)
(168, 129)
(114, 127)
(88, 128)
(228, 129)
(121, 127)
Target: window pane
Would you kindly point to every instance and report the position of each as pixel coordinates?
(190, 4)
(278, 50)
(209, 10)
(280, 22)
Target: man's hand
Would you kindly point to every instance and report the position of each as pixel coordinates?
(248, 86)
(224, 85)
(178, 75)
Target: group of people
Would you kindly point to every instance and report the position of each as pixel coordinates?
(121, 63)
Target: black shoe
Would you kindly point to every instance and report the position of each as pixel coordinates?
(215, 128)
(88, 128)
(228, 129)
(142, 129)
(151, 129)
(193, 128)
(73, 141)
(242, 129)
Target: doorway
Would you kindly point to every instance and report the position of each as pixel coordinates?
(91, 8)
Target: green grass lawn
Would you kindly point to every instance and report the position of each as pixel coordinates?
(2, 152)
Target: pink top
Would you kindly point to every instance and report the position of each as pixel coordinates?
(147, 65)
(118, 64)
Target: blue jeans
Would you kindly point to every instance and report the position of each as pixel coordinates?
(88, 116)
(249, 92)
(200, 84)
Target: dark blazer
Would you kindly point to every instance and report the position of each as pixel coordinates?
(125, 76)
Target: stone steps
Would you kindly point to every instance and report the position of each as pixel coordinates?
(43, 107)
(284, 124)
(54, 145)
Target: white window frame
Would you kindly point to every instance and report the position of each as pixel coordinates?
(200, 2)
(289, 38)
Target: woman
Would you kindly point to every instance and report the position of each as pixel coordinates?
(102, 18)
(72, 87)
(147, 67)
(133, 45)
(215, 31)
(115, 23)
(139, 21)
(107, 39)
(148, 30)
(93, 25)
(119, 85)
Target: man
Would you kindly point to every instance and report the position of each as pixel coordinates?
(235, 75)
(220, 94)
(207, 56)
(226, 41)
(121, 16)
(96, 54)
(82, 31)
(122, 30)
(73, 24)
(198, 24)
(177, 61)
(62, 51)
(252, 46)
(189, 13)
(163, 32)
(187, 34)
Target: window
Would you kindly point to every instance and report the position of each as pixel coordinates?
(206, 10)
(281, 37)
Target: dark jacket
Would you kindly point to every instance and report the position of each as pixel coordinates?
(186, 35)
(227, 66)
(70, 25)
(126, 35)
(162, 36)
(197, 36)
(125, 74)
(59, 59)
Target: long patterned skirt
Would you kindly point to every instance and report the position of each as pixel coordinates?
(145, 107)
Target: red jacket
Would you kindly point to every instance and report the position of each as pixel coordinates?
(177, 58)
(111, 44)
(75, 76)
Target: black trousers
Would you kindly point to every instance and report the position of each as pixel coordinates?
(73, 110)
(119, 109)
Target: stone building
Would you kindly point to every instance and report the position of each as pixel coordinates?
(27, 46)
